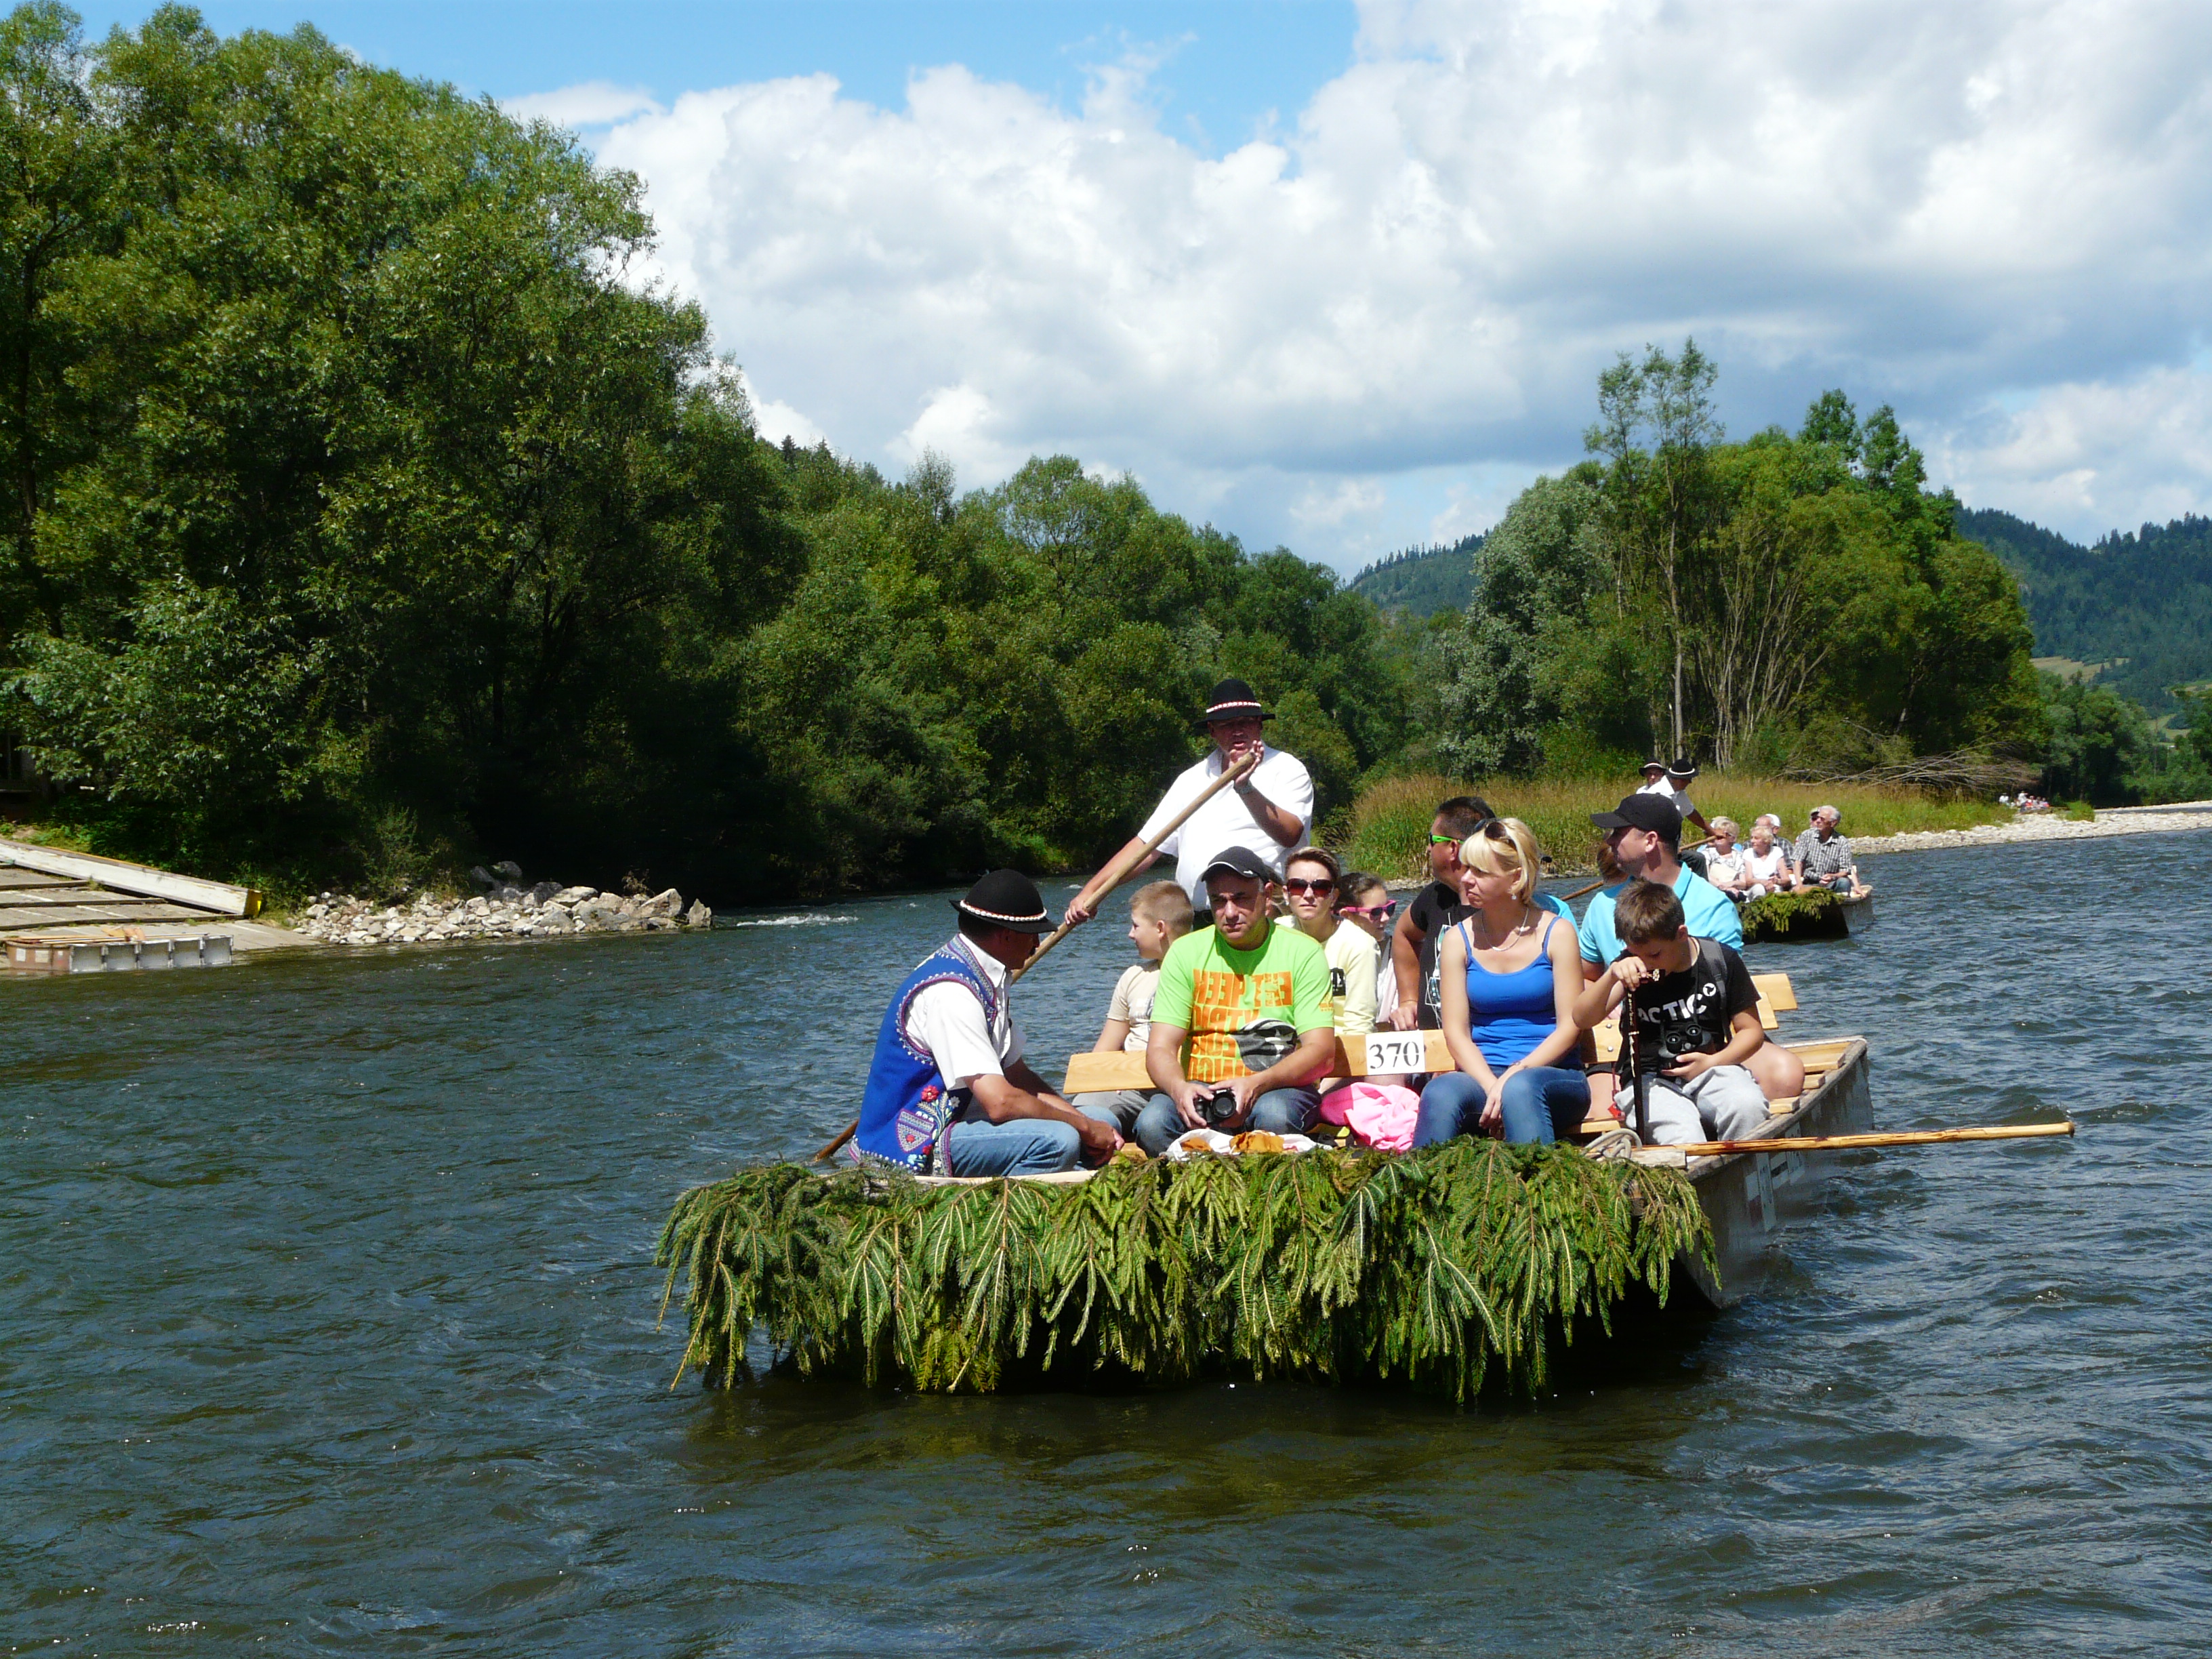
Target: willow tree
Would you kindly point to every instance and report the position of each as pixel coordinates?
(1656, 431)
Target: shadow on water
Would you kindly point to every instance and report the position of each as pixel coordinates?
(329, 1325)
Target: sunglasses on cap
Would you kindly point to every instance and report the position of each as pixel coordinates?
(1303, 884)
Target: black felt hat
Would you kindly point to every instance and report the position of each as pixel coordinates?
(1684, 767)
(1233, 700)
(1640, 811)
(1654, 764)
(1007, 899)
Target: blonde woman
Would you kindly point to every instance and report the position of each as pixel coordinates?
(1510, 973)
(1725, 859)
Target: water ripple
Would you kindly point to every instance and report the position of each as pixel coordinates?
(330, 1327)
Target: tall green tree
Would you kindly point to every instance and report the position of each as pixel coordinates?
(1660, 499)
(57, 158)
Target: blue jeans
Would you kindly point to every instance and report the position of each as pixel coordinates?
(1280, 1111)
(1544, 1102)
(1019, 1146)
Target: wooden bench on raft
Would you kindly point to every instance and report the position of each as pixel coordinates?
(1100, 1073)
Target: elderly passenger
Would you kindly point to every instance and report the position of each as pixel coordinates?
(1766, 867)
(1725, 859)
(1824, 858)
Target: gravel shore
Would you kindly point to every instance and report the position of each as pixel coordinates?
(546, 911)
(2116, 821)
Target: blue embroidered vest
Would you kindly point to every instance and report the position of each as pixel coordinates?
(906, 1108)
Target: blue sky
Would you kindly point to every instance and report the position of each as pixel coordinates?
(1225, 66)
(1342, 275)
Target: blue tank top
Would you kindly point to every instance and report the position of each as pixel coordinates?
(1510, 1014)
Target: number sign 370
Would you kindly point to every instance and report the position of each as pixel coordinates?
(1397, 1051)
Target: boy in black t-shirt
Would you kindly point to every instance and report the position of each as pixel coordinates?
(1697, 1021)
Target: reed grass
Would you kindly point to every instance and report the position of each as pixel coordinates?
(1430, 1268)
(1389, 828)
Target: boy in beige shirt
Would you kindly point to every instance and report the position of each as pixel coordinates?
(1159, 915)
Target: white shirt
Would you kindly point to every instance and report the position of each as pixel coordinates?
(1683, 803)
(1225, 820)
(948, 1021)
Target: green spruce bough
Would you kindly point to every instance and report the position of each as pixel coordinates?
(1814, 914)
(1425, 1268)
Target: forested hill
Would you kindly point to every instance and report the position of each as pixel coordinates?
(2145, 597)
(1422, 579)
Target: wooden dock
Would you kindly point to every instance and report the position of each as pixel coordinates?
(78, 896)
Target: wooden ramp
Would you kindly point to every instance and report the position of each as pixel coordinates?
(78, 896)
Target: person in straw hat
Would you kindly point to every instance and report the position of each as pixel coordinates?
(1269, 812)
(948, 1092)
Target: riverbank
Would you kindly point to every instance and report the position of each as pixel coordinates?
(2111, 821)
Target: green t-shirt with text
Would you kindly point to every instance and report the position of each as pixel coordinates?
(1244, 1010)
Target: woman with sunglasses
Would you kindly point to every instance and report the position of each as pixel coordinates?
(1310, 882)
(1510, 973)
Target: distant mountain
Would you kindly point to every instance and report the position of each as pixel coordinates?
(2140, 604)
(1422, 579)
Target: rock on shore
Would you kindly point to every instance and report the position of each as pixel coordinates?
(545, 911)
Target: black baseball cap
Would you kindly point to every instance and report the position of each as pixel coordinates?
(1653, 812)
(1240, 861)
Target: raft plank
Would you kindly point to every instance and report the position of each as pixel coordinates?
(1775, 990)
(1096, 1073)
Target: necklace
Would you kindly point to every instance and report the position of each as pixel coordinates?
(1525, 924)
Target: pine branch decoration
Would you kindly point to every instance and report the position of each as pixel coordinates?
(1429, 1268)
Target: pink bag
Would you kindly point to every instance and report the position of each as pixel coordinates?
(1380, 1115)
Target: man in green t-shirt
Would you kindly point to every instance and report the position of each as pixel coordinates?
(1243, 1007)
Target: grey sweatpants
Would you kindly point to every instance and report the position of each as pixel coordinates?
(1725, 1103)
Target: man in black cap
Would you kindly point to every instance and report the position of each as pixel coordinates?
(1270, 809)
(1646, 834)
(948, 1091)
(1242, 1008)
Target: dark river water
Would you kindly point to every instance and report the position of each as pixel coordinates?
(327, 1325)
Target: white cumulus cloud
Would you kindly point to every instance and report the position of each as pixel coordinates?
(1351, 332)
(586, 104)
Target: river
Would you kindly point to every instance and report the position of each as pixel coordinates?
(327, 1325)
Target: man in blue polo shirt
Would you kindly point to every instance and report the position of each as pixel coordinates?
(1646, 834)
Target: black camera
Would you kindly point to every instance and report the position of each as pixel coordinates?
(1217, 1109)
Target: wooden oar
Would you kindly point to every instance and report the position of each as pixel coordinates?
(1114, 875)
(1899, 1138)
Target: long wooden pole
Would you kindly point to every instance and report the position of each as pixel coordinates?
(1113, 876)
(1118, 872)
(1899, 1138)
